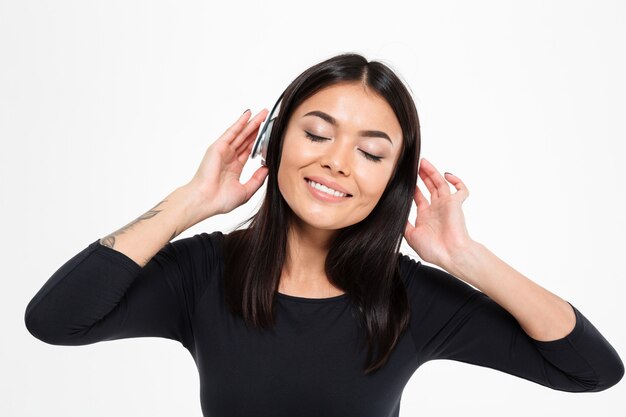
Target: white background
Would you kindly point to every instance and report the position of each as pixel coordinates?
(107, 107)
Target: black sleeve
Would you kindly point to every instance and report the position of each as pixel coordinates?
(452, 320)
(102, 294)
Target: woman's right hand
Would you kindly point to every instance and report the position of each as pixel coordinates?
(216, 182)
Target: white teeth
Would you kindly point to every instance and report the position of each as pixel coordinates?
(325, 189)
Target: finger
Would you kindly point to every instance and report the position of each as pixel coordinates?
(458, 184)
(442, 186)
(432, 189)
(255, 182)
(253, 125)
(235, 128)
(420, 200)
(248, 143)
(245, 151)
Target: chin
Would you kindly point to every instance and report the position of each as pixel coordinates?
(321, 222)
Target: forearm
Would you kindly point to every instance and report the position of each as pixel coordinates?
(543, 315)
(142, 238)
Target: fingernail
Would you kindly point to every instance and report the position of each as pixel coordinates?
(245, 111)
(449, 173)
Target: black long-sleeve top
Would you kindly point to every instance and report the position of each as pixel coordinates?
(311, 363)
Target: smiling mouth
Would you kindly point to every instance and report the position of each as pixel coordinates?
(326, 190)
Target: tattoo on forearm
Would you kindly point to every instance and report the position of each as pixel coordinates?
(109, 240)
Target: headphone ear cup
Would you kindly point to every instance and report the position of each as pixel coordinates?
(266, 138)
(261, 143)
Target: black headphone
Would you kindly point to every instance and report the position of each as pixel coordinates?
(262, 140)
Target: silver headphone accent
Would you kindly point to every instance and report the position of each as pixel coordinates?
(262, 140)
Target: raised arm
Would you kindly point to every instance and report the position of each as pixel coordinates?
(134, 282)
(509, 322)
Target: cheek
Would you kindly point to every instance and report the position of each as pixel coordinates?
(373, 186)
(295, 155)
(374, 191)
(371, 189)
(283, 180)
(288, 169)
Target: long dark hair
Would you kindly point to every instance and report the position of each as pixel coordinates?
(363, 258)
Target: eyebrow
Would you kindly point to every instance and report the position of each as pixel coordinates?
(330, 119)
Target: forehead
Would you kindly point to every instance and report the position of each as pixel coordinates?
(354, 107)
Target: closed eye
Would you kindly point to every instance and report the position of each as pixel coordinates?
(316, 138)
(371, 157)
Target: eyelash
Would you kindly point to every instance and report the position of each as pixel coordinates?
(315, 138)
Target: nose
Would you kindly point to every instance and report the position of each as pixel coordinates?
(338, 157)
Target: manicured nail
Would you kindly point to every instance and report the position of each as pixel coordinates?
(449, 173)
(245, 111)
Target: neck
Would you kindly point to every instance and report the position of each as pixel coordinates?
(303, 271)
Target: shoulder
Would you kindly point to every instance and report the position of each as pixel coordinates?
(423, 280)
(196, 260)
(199, 247)
(203, 239)
(407, 266)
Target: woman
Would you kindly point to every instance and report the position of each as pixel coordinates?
(312, 310)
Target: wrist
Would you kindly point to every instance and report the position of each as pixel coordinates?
(193, 207)
(466, 260)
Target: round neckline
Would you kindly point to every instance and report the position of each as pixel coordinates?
(311, 300)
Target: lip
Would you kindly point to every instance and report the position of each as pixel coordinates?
(329, 184)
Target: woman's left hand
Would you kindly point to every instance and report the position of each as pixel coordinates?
(439, 232)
